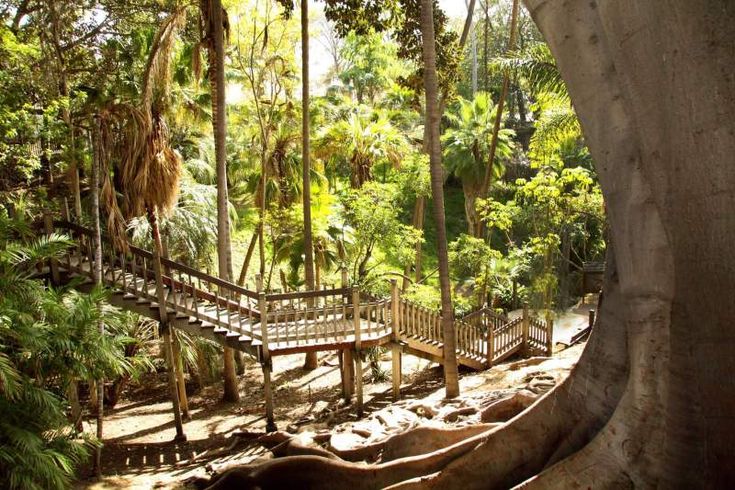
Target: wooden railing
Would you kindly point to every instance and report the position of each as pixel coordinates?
(292, 318)
(482, 335)
(471, 340)
(485, 318)
(298, 318)
(189, 292)
(507, 338)
(538, 334)
(419, 322)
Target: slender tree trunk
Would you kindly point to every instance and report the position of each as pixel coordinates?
(420, 206)
(499, 113)
(431, 88)
(219, 126)
(310, 360)
(485, 52)
(76, 407)
(167, 346)
(97, 269)
(180, 380)
(248, 256)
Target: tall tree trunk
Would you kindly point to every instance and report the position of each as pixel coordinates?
(431, 87)
(420, 206)
(97, 269)
(499, 113)
(248, 256)
(219, 127)
(310, 360)
(471, 191)
(485, 48)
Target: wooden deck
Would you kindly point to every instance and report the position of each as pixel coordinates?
(264, 325)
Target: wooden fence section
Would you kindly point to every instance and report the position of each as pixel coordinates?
(483, 337)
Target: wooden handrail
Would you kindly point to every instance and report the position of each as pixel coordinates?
(167, 262)
(307, 294)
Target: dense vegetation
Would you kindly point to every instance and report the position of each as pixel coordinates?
(135, 83)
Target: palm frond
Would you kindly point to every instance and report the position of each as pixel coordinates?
(537, 65)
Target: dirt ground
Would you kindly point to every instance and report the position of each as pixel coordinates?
(139, 452)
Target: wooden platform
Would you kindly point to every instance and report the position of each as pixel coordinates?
(264, 325)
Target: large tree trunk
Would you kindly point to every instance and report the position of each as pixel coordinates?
(219, 127)
(431, 87)
(310, 360)
(650, 403)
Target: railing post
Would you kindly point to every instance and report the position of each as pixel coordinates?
(265, 361)
(48, 224)
(347, 368)
(358, 348)
(549, 335)
(343, 273)
(490, 344)
(395, 347)
(524, 330)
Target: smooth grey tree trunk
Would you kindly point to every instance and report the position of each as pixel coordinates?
(219, 124)
(431, 88)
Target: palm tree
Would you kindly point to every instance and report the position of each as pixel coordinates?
(467, 146)
(451, 375)
(214, 37)
(148, 168)
(310, 361)
(48, 340)
(363, 141)
(537, 66)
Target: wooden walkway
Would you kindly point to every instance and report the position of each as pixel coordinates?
(264, 325)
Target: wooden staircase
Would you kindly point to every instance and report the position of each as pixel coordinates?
(294, 322)
(265, 325)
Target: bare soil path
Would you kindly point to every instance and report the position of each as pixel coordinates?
(139, 452)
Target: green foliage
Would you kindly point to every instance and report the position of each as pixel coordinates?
(370, 65)
(360, 142)
(467, 141)
(371, 212)
(47, 338)
(561, 216)
(190, 230)
(413, 177)
(536, 64)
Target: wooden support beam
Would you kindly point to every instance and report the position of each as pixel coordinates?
(395, 334)
(358, 348)
(490, 344)
(524, 329)
(266, 362)
(549, 335)
(396, 374)
(348, 374)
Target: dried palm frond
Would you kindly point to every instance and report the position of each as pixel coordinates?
(157, 74)
(137, 142)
